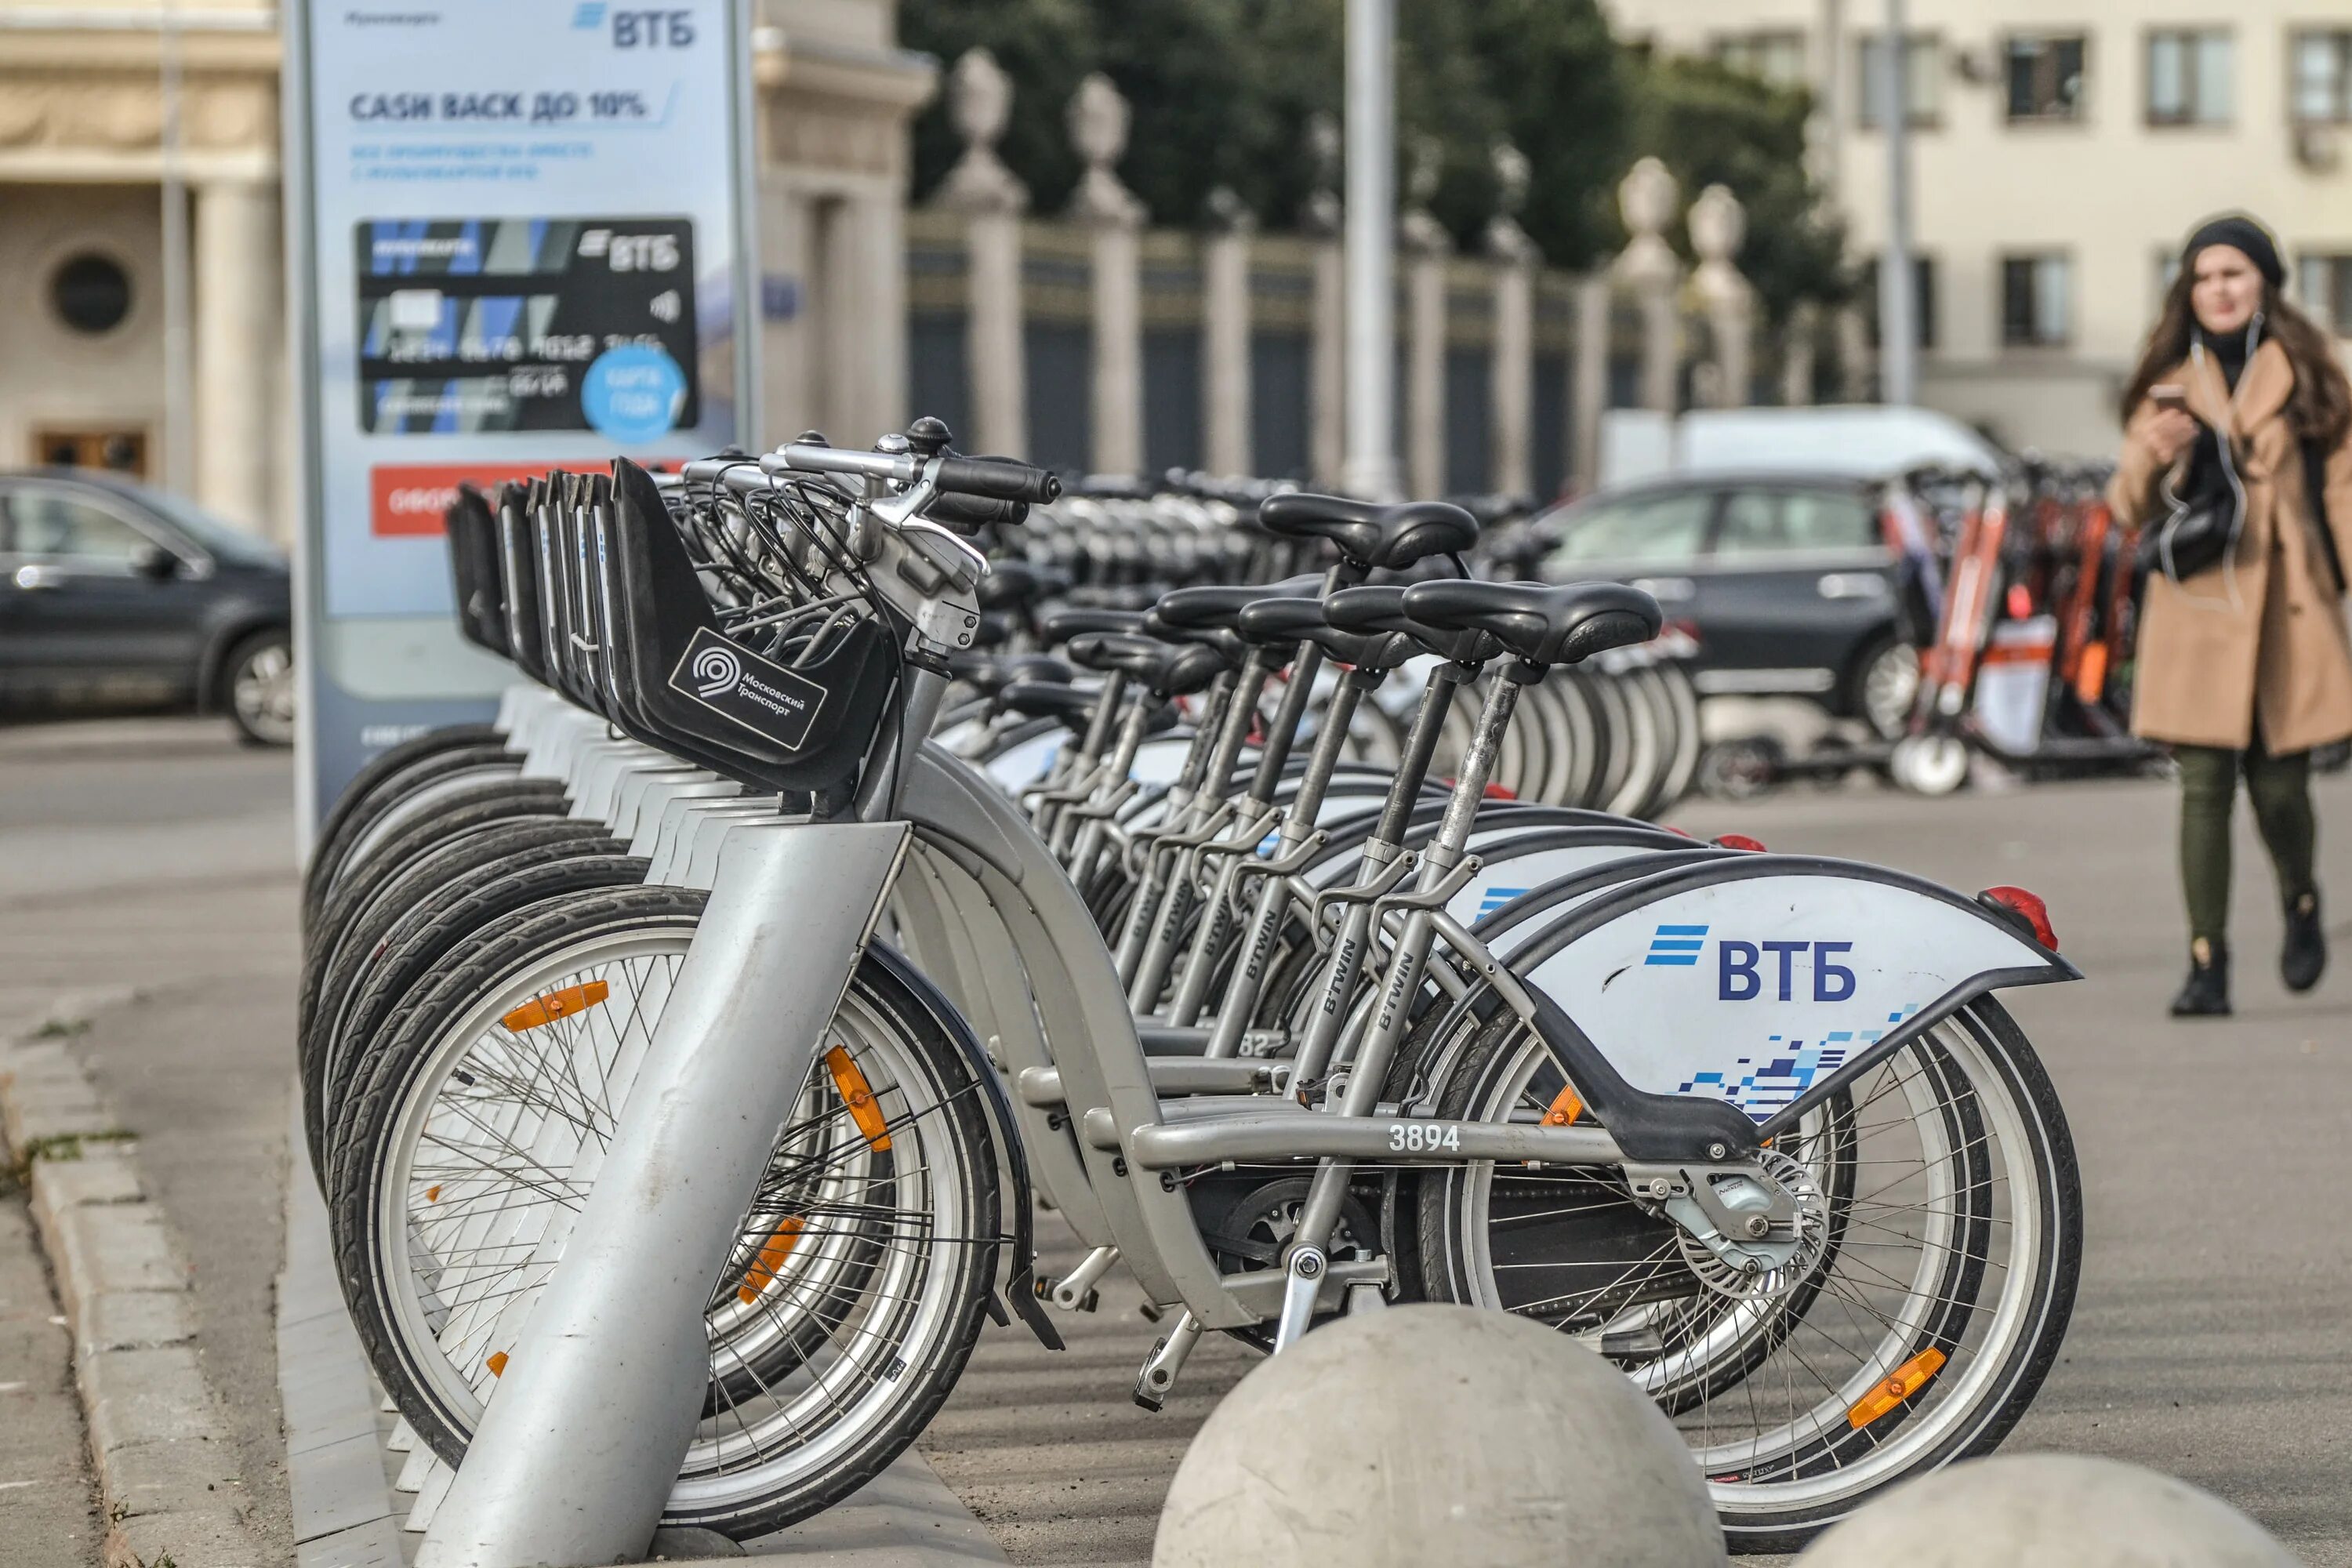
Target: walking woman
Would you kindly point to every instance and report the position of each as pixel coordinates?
(2237, 472)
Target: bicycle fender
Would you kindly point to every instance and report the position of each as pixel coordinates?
(1768, 981)
(1021, 1275)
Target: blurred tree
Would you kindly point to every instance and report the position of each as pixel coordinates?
(1221, 91)
(1047, 47)
(1712, 125)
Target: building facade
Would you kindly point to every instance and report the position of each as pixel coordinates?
(2058, 155)
(100, 104)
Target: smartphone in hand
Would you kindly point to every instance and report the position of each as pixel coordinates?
(2170, 395)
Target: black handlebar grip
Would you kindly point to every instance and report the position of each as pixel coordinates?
(999, 478)
(973, 511)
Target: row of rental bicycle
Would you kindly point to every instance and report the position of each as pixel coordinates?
(1281, 1006)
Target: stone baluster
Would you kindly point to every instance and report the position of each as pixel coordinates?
(1645, 199)
(1098, 126)
(1327, 365)
(1587, 392)
(1796, 355)
(1717, 227)
(1513, 362)
(1426, 246)
(992, 198)
(1225, 334)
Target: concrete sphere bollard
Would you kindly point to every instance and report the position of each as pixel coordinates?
(1426, 1436)
(2047, 1511)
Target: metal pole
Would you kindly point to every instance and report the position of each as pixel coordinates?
(179, 394)
(1897, 336)
(1370, 244)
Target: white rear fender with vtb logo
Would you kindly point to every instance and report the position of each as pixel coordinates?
(1754, 980)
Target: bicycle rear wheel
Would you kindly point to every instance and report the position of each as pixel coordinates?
(1944, 1234)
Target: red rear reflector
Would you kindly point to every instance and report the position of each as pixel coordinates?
(1499, 792)
(1683, 832)
(2031, 906)
(1739, 841)
(2021, 602)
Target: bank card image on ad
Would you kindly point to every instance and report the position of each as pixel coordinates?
(468, 325)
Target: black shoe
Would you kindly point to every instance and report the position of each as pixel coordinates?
(2206, 993)
(2305, 957)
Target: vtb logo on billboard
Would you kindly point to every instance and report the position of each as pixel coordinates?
(634, 28)
(1744, 969)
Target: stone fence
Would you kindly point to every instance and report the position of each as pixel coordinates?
(1087, 340)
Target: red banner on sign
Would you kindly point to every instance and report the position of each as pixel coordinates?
(408, 499)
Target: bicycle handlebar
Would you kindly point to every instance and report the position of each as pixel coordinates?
(997, 479)
(974, 511)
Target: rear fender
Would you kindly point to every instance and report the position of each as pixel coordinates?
(1761, 982)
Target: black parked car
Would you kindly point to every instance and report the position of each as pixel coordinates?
(117, 598)
(1787, 579)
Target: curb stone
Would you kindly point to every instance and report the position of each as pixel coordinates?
(163, 1460)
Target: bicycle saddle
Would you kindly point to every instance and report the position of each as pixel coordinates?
(1230, 648)
(1369, 534)
(1283, 621)
(1062, 625)
(1543, 623)
(1161, 670)
(992, 673)
(1221, 604)
(1048, 700)
(1382, 609)
(1012, 585)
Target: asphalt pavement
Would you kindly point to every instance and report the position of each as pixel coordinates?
(2210, 1340)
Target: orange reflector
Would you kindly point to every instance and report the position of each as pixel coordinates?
(559, 1004)
(860, 1096)
(497, 1363)
(1897, 1386)
(2091, 675)
(762, 1272)
(1566, 1107)
(433, 1195)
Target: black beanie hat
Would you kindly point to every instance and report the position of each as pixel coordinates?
(2243, 233)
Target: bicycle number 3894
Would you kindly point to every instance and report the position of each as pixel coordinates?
(1419, 1138)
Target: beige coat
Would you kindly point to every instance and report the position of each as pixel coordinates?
(2269, 637)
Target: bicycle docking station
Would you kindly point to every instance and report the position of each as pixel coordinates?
(577, 1452)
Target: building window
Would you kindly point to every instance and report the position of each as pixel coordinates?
(1776, 58)
(2045, 78)
(1923, 79)
(2323, 76)
(2323, 284)
(2035, 300)
(1923, 299)
(91, 293)
(2191, 78)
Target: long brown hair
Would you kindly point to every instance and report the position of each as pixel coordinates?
(2320, 407)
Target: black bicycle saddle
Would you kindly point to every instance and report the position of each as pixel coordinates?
(992, 673)
(1543, 623)
(1074, 620)
(1382, 609)
(1369, 534)
(1286, 621)
(1048, 700)
(1217, 605)
(1014, 584)
(1163, 669)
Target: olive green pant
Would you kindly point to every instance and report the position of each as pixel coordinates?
(2280, 788)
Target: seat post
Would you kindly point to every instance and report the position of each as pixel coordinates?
(1445, 850)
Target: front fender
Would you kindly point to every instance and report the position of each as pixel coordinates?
(1768, 981)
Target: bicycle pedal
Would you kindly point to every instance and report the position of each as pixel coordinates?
(1150, 1312)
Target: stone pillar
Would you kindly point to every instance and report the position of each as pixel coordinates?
(878, 224)
(1098, 123)
(1514, 357)
(1649, 267)
(991, 199)
(1797, 356)
(1225, 335)
(1717, 227)
(1587, 392)
(1426, 246)
(1326, 365)
(236, 316)
(1857, 361)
